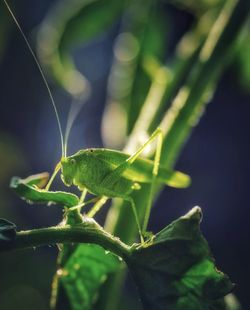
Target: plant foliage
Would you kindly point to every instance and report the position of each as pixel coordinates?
(153, 86)
(177, 271)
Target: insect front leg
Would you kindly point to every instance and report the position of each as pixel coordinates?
(83, 195)
(81, 203)
(57, 168)
(97, 206)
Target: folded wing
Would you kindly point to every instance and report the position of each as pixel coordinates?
(141, 169)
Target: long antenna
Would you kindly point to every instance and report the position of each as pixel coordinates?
(42, 74)
(74, 110)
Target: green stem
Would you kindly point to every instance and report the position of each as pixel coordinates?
(166, 82)
(191, 100)
(58, 294)
(88, 232)
(156, 92)
(186, 111)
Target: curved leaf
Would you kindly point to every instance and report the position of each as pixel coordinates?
(70, 23)
(242, 59)
(176, 271)
(27, 190)
(84, 272)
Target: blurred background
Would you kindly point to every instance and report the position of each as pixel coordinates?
(216, 155)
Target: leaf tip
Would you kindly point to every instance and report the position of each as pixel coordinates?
(195, 213)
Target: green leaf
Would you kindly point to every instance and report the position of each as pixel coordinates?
(242, 59)
(7, 232)
(93, 18)
(72, 23)
(84, 273)
(176, 271)
(27, 190)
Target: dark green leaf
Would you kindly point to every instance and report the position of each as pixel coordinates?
(7, 232)
(197, 7)
(84, 272)
(242, 58)
(93, 18)
(176, 271)
(230, 302)
(31, 193)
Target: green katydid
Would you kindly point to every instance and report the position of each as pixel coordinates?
(108, 173)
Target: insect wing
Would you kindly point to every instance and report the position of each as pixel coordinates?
(141, 169)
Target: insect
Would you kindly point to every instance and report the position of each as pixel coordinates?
(109, 173)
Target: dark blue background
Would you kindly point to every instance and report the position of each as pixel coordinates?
(216, 156)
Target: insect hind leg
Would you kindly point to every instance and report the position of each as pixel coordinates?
(156, 134)
(132, 203)
(116, 174)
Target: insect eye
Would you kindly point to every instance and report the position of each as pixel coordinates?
(72, 161)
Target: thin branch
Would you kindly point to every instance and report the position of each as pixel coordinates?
(87, 232)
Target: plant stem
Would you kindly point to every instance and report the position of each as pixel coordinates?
(88, 232)
(191, 100)
(58, 297)
(166, 82)
(186, 110)
(150, 107)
